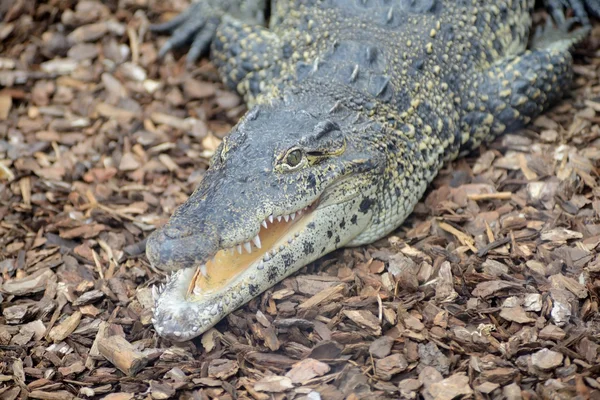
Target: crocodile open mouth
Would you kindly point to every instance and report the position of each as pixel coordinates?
(275, 232)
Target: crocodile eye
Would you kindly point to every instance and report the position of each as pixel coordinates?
(293, 158)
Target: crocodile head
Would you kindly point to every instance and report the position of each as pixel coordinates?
(289, 184)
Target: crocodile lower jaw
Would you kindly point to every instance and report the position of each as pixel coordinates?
(194, 299)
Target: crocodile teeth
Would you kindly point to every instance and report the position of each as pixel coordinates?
(203, 270)
(286, 217)
(248, 247)
(293, 216)
(256, 241)
(154, 292)
(264, 223)
(231, 251)
(239, 248)
(279, 218)
(271, 218)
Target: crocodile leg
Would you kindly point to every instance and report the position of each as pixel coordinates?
(246, 56)
(511, 93)
(198, 24)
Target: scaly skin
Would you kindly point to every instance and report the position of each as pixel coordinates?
(356, 105)
(581, 8)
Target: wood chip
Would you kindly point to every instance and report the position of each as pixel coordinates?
(306, 370)
(33, 283)
(273, 384)
(65, 328)
(322, 296)
(122, 354)
(448, 389)
(365, 319)
(5, 107)
(546, 359)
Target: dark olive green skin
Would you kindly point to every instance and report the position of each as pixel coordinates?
(355, 105)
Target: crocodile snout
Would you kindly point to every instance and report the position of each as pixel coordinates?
(174, 247)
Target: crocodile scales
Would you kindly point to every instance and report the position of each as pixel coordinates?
(355, 105)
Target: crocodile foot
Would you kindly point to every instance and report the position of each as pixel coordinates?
(582, 9)
(197, 25)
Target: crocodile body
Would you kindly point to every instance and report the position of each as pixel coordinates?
(355, 105)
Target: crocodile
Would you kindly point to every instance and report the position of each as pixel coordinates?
(354, 107)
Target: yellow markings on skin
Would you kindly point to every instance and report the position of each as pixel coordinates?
(465, 138)
(489, 119)
(520, 101)
(440, 125)
(411, 131)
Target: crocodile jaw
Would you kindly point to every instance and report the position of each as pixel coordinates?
(181, 315)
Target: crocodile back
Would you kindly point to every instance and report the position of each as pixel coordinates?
(392, 48)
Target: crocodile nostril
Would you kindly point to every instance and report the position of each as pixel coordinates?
(177, 232)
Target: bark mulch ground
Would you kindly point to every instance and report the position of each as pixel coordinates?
(489, 290)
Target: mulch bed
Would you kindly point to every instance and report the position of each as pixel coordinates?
(489, 290)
